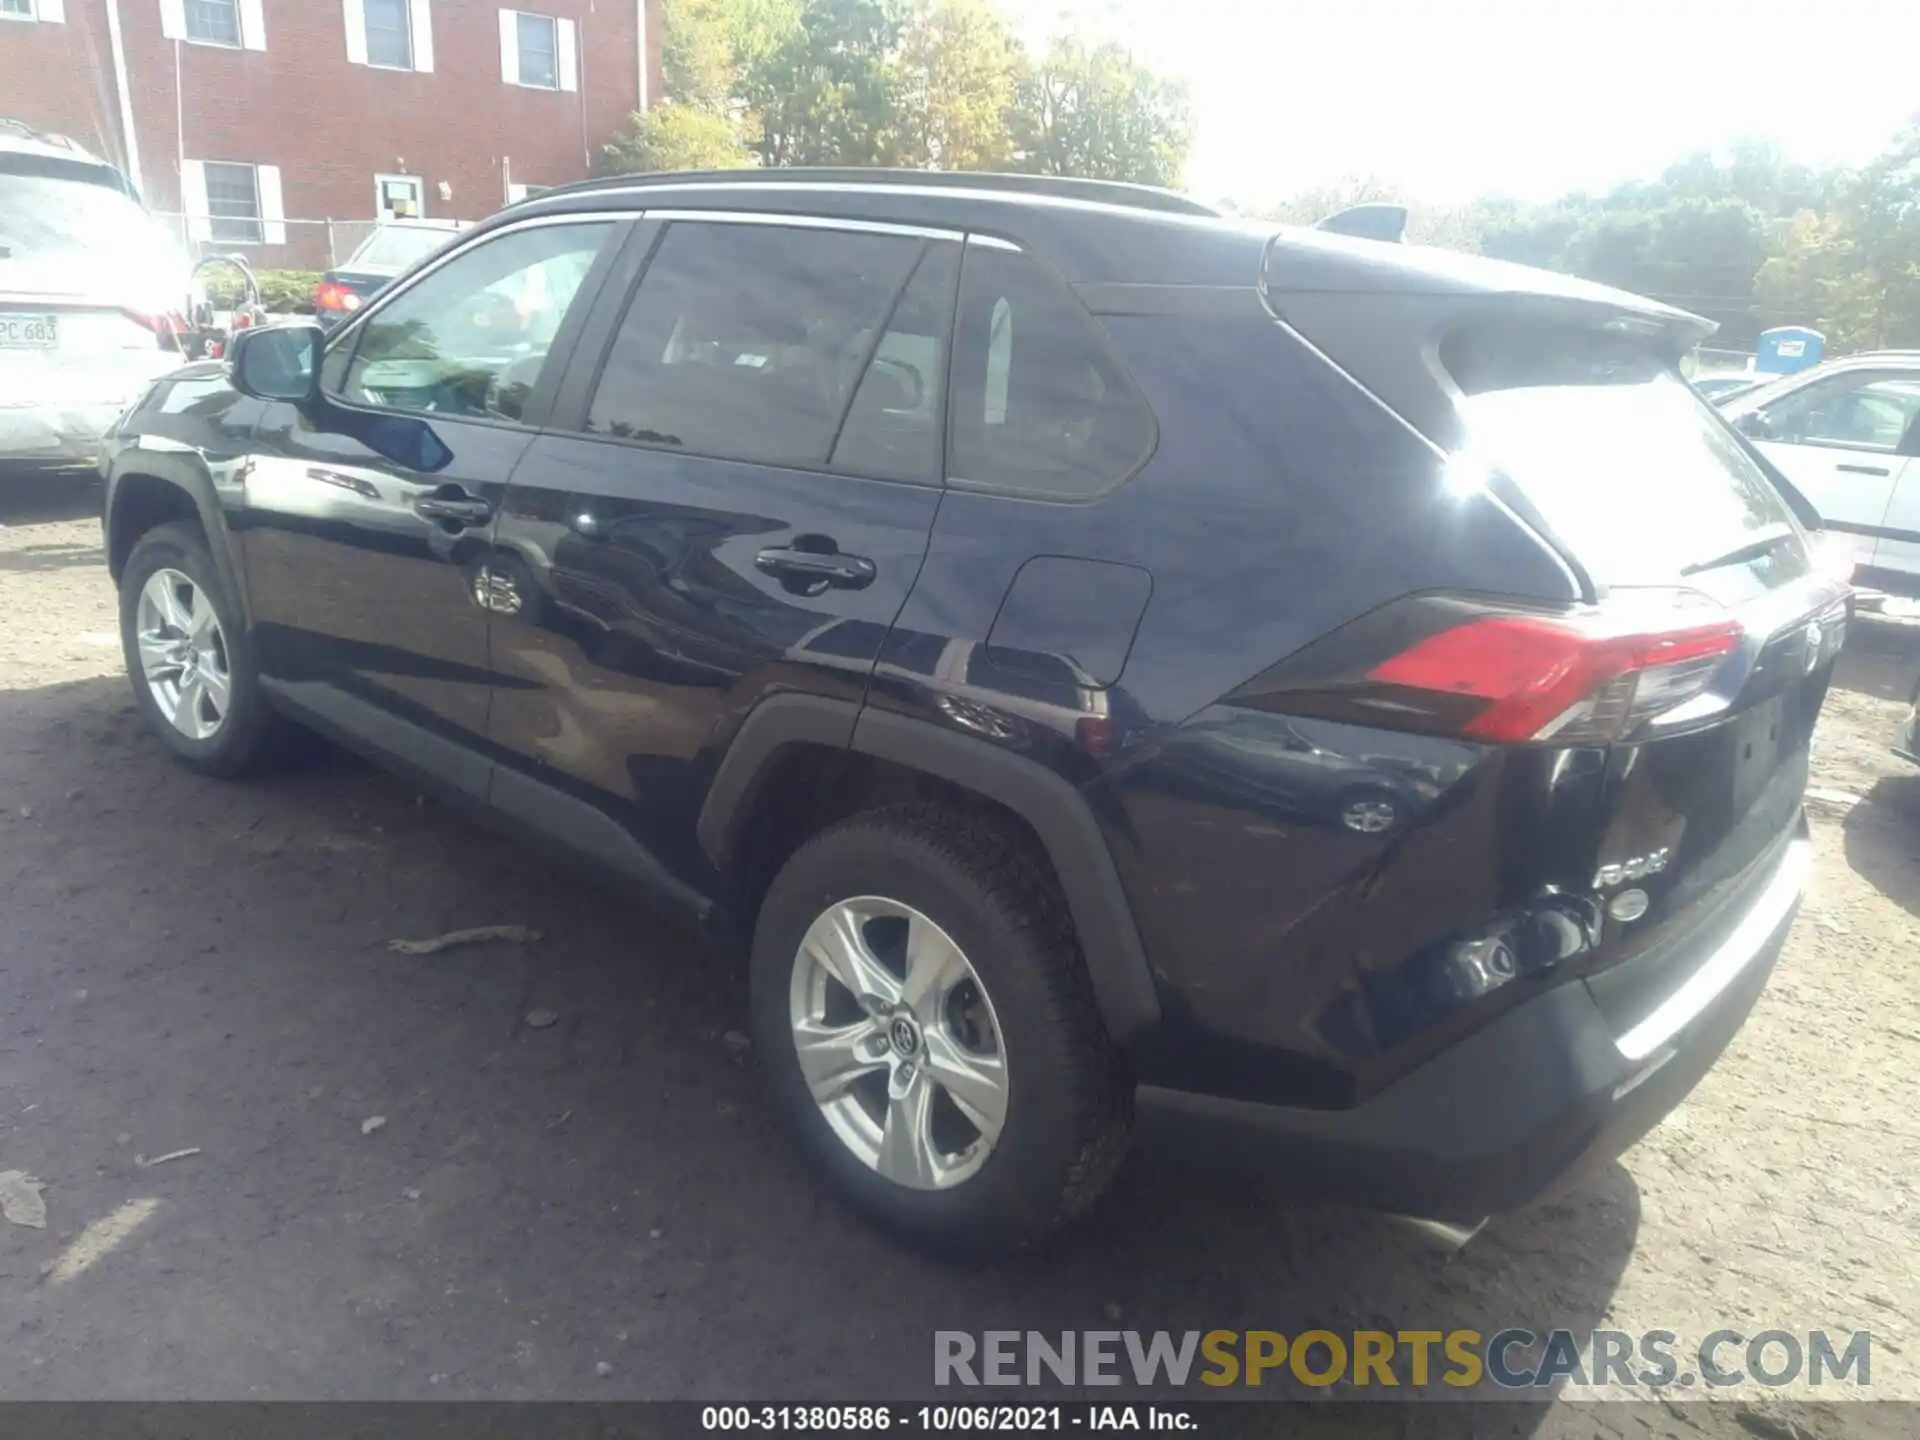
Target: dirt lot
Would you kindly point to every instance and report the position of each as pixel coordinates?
(603, 1208)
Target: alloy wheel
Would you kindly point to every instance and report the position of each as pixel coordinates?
(898, 1043)
(183, 654)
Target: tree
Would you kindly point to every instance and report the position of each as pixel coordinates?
(828, 93)
(1090, 111)
(959, 74)
(673, 136)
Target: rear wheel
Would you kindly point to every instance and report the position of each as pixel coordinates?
(925, 1024)
(190, 660)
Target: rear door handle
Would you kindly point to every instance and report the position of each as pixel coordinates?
(1864, 469)
(454, 509)
(816, 571)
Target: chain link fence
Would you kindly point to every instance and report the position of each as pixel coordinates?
(289, 244)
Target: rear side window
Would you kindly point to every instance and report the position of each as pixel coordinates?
(1629, 466)
(746, 342)
(1040, 405)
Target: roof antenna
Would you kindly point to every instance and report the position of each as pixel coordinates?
(1369, 222)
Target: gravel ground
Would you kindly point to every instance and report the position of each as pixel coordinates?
(603, 1209)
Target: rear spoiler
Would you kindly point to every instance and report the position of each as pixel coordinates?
(1369, 222)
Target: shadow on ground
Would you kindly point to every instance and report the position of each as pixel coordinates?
(198, 965)
(34, 497)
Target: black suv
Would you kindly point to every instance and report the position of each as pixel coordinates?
(1123, 667)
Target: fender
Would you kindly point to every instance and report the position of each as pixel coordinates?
(188, 470)
(1102, 917)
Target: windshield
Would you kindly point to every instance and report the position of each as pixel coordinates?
(1629, 466)
(394, 247)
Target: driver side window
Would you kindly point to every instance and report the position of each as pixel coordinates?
(1866, 412)
(473, 337)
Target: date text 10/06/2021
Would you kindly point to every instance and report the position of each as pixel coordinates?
(938, 1419)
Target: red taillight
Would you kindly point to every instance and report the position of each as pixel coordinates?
(1542, 679)
(331, 295)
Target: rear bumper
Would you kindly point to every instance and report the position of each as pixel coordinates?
(1540, 1097)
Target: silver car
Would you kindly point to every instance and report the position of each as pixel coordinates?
(90, 285)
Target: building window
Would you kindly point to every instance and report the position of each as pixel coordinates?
(389, 34)
(538, 51)
(233, 203)
(213, 22)
(16, 9)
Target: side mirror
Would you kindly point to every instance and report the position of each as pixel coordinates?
(276, 362)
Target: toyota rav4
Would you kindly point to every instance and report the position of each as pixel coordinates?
(1119, 669)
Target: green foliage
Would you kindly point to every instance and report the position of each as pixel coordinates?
(282, 292)
(924, 84)
(1090, 110)
(673, 136)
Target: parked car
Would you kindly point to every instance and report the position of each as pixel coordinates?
(1721, 388)
(1107, 689)
(372, 266)
(91, 290)
(1847, 435)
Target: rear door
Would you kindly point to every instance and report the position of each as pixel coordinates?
(1841, 440)
(733, 498)
(365, 519)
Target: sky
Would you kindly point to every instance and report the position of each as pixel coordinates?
(1458, 98)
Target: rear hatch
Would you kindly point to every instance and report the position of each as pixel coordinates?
(1659, 724)
(375, 263)
(89, 286)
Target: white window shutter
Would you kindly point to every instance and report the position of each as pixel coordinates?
(54, 12)
(273, 209)
(422, 35)
(173, 19)
(356, 13)
(510, 46)
(567, 42)
(193, 200)
(253, 25)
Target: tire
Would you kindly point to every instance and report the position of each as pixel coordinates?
(248, 737)
(1067, 1099)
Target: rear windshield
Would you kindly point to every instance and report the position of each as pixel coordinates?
(394, 247)
(59, 207)
(1623, 459)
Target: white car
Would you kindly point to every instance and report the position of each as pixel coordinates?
(90, 288)
(1847, 434)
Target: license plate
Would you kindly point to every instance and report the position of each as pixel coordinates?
(29, 332)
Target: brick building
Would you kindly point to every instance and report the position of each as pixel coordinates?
(258, 121)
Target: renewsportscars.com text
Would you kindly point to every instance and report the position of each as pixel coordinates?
(1513, 1358)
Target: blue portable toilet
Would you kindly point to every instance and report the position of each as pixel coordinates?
(1788, 348)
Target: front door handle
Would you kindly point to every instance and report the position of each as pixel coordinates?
(1864, 469)
(812, 571)
(454, 509)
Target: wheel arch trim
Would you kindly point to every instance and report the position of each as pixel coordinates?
(1059, 815)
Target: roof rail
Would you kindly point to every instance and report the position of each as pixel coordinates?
(1102, 192)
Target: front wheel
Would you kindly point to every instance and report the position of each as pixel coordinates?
(927, 1029)
(190, 659)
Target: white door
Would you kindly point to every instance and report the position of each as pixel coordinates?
(400, 197)
(1844, 441)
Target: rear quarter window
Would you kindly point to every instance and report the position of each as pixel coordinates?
(1633, 469)
(1040, 403)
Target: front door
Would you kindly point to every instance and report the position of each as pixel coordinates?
(740, 505)
(365, 519)
(1843, 442)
